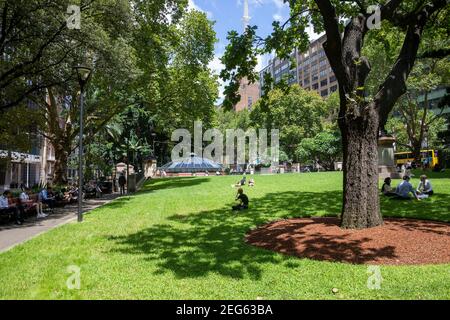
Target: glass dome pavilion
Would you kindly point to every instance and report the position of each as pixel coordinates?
(193, 163)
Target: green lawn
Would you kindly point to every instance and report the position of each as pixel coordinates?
(177, 239)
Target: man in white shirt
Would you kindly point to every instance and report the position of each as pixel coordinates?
(425, 186)
(6, 208)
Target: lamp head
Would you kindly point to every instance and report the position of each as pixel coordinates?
(83, 74)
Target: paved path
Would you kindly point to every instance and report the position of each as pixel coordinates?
(12, 235)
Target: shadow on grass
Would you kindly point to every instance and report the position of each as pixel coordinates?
(171, 183)
(212, 241)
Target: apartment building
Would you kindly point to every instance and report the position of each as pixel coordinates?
(312, 70)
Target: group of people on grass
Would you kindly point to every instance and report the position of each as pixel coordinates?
(401, 192)
(405, 188)
(242, 182)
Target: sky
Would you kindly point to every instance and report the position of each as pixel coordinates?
(228, 14)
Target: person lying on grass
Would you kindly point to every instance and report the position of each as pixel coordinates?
(404, 188)
(243, 200)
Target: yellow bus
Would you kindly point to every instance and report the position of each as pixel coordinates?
(429, 158)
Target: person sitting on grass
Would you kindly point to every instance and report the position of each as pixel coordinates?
(243, 200)
(424, 187)
(6, 207)
(404, 188)
(251, 182)
(243, 180)
(386, 189)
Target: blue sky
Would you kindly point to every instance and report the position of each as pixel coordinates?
(228, 16)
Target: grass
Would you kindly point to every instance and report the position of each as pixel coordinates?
(177, 239)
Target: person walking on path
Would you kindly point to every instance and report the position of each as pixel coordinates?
(122, 182)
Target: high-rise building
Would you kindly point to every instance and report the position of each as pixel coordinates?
(312, 70)
(249, 92)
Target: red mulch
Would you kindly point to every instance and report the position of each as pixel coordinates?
(397, 242)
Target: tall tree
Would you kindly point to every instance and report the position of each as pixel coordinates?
(346, 24)
(35, 41)
(297, 113)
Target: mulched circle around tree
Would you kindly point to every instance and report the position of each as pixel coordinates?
(397, 242)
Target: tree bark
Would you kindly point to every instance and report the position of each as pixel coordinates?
(359, 119)
(61, 160)
(361, 207)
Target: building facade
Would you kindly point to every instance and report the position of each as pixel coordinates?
(249, 93)
(312, 70)
(19, 169)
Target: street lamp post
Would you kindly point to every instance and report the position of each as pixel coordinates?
(83, 75)
(129, 118)
(154, 153)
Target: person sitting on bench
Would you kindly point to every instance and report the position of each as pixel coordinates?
(7, 208)
(28, 203)
(243, 200)
(44, 197)
(404, 188)
(425, 186)
(386, 189)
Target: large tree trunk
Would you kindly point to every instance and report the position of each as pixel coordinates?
(61, 160)
(361, 207)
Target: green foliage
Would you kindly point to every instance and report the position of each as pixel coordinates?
(405, 133)
(323, 149)
(298, 114)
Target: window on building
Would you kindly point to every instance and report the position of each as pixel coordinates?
(332, 78)
(333, 88)
(314, 77)
(249, 102)
(315, 86)
(306, 82)
(324, 93)
(323, 83)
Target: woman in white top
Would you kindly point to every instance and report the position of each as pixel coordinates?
(425, 186)
(26, 201)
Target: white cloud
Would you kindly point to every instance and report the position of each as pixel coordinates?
(280, 4)
(193, 6)
(216, 66)
(277, 17)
